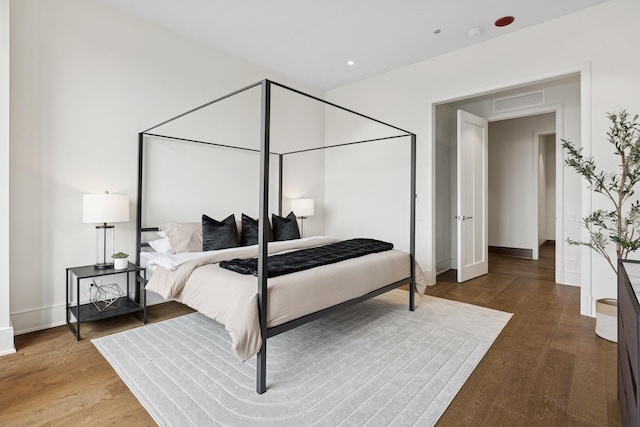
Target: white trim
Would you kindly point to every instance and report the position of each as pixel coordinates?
(520, 95)
(39, 318)
(536, 190)
(535, 230)
(514, 84)
(526, 112)
(6, 331)
(584, 71)
(560, 230)
(6, 341)
(443, 265)
(587, 306)
(431, 161)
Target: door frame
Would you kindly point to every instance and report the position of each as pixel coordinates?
(537, 136)
(559, 131)
(584, 73)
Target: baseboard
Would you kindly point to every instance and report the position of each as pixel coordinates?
(6, 341)
(571, 279)
(442, 266)
(49, 317)
(38, 319)
(514, 252)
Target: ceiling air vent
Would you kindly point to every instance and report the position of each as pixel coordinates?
(518, 101)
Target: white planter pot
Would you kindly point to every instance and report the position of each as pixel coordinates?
(120, 263)
(607, 319)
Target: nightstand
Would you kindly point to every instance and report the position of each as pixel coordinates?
(125, 304)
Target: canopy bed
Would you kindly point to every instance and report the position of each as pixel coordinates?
(281, 301)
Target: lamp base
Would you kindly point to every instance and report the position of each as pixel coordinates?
(104, 247)
(302, 218)
(103, 266)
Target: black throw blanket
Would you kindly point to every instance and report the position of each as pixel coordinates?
(304, 259)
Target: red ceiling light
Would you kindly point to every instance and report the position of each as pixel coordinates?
(504, 21)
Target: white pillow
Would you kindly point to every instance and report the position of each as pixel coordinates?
(162, 246)
(162, 234)
(184, 236)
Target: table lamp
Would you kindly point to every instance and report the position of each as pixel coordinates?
(302, 208)
(102, 209)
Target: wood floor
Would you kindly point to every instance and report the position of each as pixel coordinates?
(546, 368)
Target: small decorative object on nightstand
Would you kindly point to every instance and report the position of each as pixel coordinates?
(106, 297)
(120, 260)
(105, 300)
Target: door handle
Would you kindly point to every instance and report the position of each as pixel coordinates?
(463, 217)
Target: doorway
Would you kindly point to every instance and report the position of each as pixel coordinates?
(509, 229)
(521, 205)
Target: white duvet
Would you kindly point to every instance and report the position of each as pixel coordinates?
(197, 280)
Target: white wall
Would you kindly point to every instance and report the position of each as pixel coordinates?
(224, 180)
(542, 187)
(512, 196)
(297, 123)
(445, 187)
(594, 40)
(367, 191)
(366, 185)
(6, 330)
(86, 78)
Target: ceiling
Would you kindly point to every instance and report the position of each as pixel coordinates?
(311, 41)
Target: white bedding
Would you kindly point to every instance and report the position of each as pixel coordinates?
(171, 261)
(231, 298)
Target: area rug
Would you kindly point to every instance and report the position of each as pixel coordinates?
(375, 363)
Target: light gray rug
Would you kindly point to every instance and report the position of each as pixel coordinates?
(375, 363)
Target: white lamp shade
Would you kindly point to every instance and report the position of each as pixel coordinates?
(302, 207)
(103, 208)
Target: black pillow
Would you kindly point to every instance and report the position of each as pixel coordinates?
(285, 228)
(219, 235)
(250, 231)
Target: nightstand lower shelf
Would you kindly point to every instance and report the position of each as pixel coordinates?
(130, 303)
(89, 312)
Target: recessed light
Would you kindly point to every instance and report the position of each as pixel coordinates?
(350, 63)
(437, 31)
(504, 21)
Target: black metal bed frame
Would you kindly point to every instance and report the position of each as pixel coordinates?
(263, 217)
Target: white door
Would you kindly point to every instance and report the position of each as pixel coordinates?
(472, 212)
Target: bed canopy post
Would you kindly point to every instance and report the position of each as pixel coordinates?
(263, 234)
(412, 225)
(280, 161)
(139, 213)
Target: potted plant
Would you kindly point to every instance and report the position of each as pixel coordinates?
(120, 261)
(619, 223)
